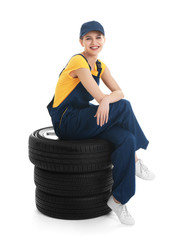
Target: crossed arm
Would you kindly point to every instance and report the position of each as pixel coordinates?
(92, 87)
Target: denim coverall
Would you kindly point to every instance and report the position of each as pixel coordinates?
(74, 119)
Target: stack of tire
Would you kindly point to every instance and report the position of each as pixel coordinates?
(73, 178)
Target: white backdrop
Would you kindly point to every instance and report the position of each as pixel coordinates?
(144, 53)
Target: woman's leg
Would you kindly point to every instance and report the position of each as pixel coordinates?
(136, 159)
(81, 123)
(121, 113)
(123, 160)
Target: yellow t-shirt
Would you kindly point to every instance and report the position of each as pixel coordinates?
(66, 83)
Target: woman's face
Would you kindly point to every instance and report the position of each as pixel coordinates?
(93, 42)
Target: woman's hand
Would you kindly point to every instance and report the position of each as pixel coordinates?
(102, 113)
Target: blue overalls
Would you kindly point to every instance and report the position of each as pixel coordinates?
(74, 119)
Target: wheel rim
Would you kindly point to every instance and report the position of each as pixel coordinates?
(48, 133)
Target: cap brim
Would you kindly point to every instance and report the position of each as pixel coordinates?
(90, 30)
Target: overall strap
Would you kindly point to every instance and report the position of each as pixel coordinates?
(99, 68)
(67, 64)
(70, 59)
(85, 59)
(98, 63)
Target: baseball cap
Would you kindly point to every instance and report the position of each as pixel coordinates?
(91, 26)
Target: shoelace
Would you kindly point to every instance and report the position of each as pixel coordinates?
(125, 211)
(142, 166)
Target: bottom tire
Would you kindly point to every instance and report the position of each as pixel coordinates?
(72, 208)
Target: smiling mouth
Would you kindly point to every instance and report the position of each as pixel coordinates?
(94, 48)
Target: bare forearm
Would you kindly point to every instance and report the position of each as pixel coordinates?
(114, 96)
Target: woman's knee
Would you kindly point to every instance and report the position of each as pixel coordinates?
(130, 141)
(124, 139)
(124, 104)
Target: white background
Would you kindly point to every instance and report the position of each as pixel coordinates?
(144, 52)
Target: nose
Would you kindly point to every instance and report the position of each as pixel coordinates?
(93, 41)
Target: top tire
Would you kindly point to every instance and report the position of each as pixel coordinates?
(48, 152)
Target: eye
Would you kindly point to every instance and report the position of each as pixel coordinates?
(99, 37)
(88, 38)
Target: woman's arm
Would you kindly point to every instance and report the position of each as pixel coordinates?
(114, 96)
(110, 82)
(90, 84)
(103, 99)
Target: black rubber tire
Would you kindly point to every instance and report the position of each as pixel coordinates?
(67, 156)
(77, 184)
(76, 208)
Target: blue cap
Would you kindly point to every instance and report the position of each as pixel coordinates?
(91, 26)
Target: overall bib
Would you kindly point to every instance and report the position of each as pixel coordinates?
(74, 119)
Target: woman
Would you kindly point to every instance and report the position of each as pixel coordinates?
(74, 117)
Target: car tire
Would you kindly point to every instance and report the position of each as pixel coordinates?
(75, 208)
(73, 178)
(73, 184)
(47, 152)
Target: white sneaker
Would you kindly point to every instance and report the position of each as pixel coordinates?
(142, 171)
(121, 211)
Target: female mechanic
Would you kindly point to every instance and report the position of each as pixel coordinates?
(74, 117)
